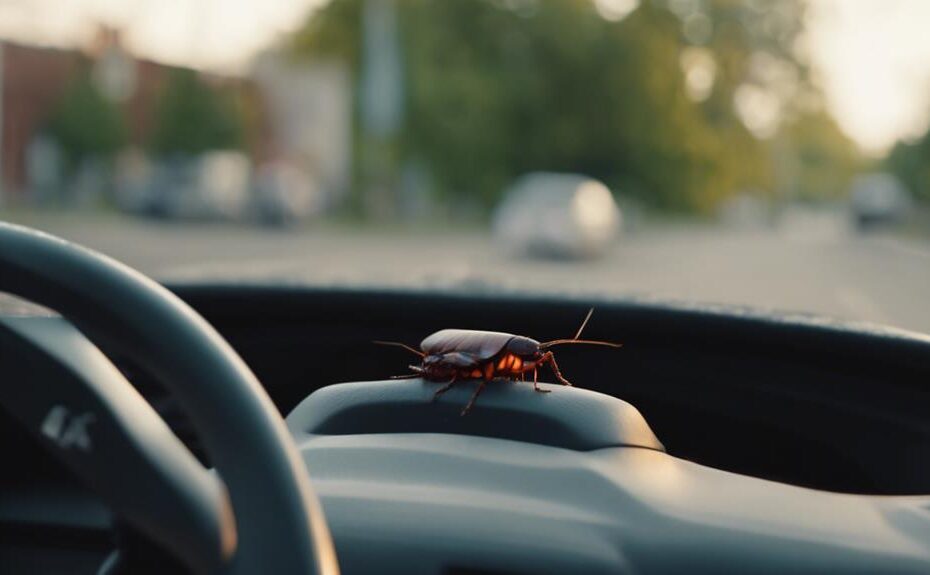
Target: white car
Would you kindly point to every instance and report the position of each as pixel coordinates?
(878, 199)
(557, 215)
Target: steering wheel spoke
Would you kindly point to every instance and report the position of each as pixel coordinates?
(279, 524)
(64, 390)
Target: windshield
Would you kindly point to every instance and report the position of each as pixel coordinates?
(769, 154)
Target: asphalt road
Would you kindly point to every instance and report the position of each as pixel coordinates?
(811, 264)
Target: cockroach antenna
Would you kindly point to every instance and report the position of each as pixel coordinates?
(555, 342)
(583, 323)
(399, 344)
(575, 339)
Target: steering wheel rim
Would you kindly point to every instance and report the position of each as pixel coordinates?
(279, 521)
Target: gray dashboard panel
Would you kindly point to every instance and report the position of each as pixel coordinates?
(453, 502)
(579, 419)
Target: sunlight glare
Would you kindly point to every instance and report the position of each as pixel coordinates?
(615, 10)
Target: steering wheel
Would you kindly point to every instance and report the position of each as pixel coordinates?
(256, 513)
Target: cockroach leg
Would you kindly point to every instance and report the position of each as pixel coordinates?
(446, 387)
(536, 385)
(417, 372)
(474, 397)
(536, 382)
(550, 359)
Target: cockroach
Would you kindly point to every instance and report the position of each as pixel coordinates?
(452, 355)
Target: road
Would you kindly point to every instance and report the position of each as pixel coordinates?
(808, 264)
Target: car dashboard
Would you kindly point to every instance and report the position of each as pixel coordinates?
(797, 400)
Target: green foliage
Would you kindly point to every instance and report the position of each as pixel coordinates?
(749, 39)
(498, 88)
(190, 117)
(85, 124)
(334, 31)
(823, 159)
(911, 163)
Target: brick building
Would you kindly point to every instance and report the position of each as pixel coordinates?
(34, 78)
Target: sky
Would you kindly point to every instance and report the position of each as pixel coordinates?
(872, 57)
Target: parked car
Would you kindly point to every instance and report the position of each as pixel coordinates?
(284, 195)
(557, 215)
(210, 186)
(878, 200)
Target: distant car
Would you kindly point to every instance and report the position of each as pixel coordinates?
(210, 186)
(878, 200)
(558, 215)
(285, 195)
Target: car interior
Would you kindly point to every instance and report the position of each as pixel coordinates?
(716, 440)
(464, 287)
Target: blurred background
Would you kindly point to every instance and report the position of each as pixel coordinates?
(770, 154)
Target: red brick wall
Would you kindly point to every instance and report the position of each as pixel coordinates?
(33, 80)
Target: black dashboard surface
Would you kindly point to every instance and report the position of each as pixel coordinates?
(796, 399)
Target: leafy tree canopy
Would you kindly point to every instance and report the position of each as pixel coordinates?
(910, 161)
(191, 118)
(497, 88)
(85, 124)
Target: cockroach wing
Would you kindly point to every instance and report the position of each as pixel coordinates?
(458, 359)
(482, 345)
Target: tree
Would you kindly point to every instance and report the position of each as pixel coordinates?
(824, 160)
(911, 163)
(191, 118)
(85, 124)
(496, 89)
